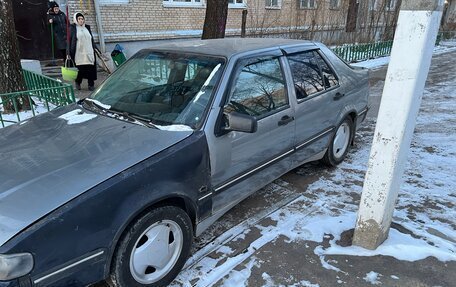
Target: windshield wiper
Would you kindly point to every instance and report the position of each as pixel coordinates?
(95, 104)
(132, 117)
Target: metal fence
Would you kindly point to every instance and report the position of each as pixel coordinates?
(360, 52)
(46, 91)
(446, 36)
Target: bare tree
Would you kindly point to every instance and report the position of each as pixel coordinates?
(11, 78)
(215, 20)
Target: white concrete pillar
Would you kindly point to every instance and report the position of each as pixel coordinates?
(411, 54)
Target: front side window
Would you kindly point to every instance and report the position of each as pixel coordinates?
(163, 88)
(308, 4)
(259, 89)
(311, 74)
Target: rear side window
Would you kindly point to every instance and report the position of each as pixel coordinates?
(311, 74)
(259, 89)
(329, 77)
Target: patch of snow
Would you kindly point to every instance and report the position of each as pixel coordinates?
(398, 245)
(372, 278)
(98, 103)
(177, 128)
(270, 282)
(304, 283)
(373, 63)
(240, 278)
(77, 116)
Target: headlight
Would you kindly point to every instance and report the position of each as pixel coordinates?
(13, 266)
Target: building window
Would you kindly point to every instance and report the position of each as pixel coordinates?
(110, 2)
(183, 3)
(273, 3)
(308, 4)
(236, 4)
(372, 5)
(390, 5)
(334, 4)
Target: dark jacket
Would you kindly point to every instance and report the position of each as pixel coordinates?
(74, 39)
(59, 28)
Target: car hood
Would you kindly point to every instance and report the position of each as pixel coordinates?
(52, 158)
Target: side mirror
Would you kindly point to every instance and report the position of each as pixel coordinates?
(240, 122)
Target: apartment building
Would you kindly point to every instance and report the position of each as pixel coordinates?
(145, 21)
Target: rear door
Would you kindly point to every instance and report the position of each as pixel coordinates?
(244, 162)
(317, 98)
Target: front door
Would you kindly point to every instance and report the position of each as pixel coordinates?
(246, 162)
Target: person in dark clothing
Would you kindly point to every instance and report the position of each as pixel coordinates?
(58, 20)
(82, 51)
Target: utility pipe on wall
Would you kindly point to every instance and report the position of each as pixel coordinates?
(99, 26)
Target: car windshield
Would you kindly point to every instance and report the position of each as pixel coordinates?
(170, 90)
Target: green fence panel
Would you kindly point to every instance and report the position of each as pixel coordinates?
(43, 88)
(365, 51)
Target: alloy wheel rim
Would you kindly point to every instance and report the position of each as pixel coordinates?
(156, 251)
(341, 140)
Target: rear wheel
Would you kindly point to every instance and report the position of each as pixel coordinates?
(153, 250)
(340, 143)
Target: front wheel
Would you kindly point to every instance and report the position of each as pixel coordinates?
(340, 143)
(153, 249)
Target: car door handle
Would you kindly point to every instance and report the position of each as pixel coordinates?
(285, 120)
(338, 96)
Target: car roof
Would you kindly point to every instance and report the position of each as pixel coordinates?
(227, 47)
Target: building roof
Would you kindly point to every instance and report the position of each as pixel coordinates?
(226, 47)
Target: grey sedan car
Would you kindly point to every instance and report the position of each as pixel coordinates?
(116, 186)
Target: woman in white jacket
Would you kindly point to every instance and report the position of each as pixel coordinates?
(82, 51)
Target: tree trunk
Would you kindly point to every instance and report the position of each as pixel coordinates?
(11, 79)
(352, 16)
(215, 21)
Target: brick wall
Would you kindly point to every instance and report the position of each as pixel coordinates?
(151, 19)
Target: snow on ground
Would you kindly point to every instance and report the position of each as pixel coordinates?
(372, 277)
(423, 224)
(373, 63)
(40, 108)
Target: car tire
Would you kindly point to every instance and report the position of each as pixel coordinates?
(340, 143)
(166, 232)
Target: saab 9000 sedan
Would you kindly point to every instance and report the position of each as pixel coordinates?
(114, 187)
